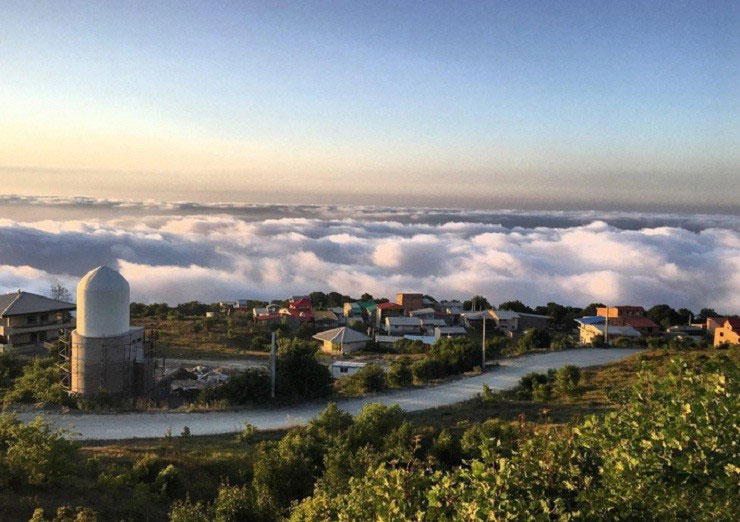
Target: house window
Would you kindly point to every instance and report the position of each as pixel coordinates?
(343, 370)
(44, 318)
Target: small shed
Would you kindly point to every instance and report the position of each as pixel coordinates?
(341, 369)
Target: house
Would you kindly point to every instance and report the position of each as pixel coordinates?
(713, 323)
(729, 332)
(589, 331)
(403, 325)
(684, 331)
(273, 318)
(367, 309)
(428, 325)
(300, 302)
(642, 324)
(384, 310)
(474, 319)
(352, 310)
(341, 340)
(423, 313)
(339, 312)
(620, 311)
(340, 369)
(264, 310)
(29, 320)
(506, 319)
(449, 331)
(325, 319)
(410, 302)
(454, 307)
(528, 321)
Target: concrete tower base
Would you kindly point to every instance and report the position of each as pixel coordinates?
(116, 365)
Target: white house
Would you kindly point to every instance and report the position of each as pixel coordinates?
(341, 369)
(449, 331)
(423, 313)
(403, 325)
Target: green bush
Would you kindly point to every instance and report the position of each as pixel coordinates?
(562, 342)
(250, 387)
(533, 339)
(669, 452)
(369, 379)
(300, 376)
(428, 369)
(400, 374)
(567, 379)
(40, 382)
(492, 437)
(409, 346)
(34, 454)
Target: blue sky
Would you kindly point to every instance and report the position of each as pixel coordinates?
(451, 101)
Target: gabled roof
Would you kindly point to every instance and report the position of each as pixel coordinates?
(368, 305)
(390, 306)
(19, 303)
(403, 321)
(626, 331)
(504, 315)
(734, 323)
(341, 335)
(637, 321)
(324, 315)
(450, 330)
(422, 311)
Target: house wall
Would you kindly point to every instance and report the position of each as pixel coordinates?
(725, 335)
(525, 323)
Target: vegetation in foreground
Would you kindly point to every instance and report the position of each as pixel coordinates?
(671, 426)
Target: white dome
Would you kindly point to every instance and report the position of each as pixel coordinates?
(103, 298)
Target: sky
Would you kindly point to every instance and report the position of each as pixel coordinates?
(610, 105)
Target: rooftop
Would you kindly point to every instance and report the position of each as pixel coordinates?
(341, 335)
(20, 303)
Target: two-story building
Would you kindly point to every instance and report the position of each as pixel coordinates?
(403, 325)
(29, 320)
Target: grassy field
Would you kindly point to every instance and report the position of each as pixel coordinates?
(190, 337)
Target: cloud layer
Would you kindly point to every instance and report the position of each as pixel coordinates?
(214, 252)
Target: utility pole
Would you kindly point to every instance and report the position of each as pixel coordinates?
(483, 354)
(272, 367)
(606, 327)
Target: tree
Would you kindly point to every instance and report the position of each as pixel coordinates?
(478, 302)
(664, 315)
(534, 339)
(516, 306)
(318, 299)
(590, 310)
(300, 376)
(60, 293)
(400, 373)
(704, 314)
(366, 297)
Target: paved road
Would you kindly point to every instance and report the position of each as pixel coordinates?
(143, 425)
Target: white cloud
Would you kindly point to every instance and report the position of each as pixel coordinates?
(210, 257)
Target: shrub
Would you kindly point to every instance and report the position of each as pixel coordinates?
(533, 339)
(400, 373)
(487, 394)
(39, 383)
(541, 392)
(428, 369)
(300, 376)
(409, 346)
(248, 432)
(567, 379)
(492, 437)
(34, 454)
(562, 342)
(369, 379)
(250, 387)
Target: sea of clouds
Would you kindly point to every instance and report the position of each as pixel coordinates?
(179, 252)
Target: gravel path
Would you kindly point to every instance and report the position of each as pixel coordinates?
(116, 426)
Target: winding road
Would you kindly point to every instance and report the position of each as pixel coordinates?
(117, 426)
